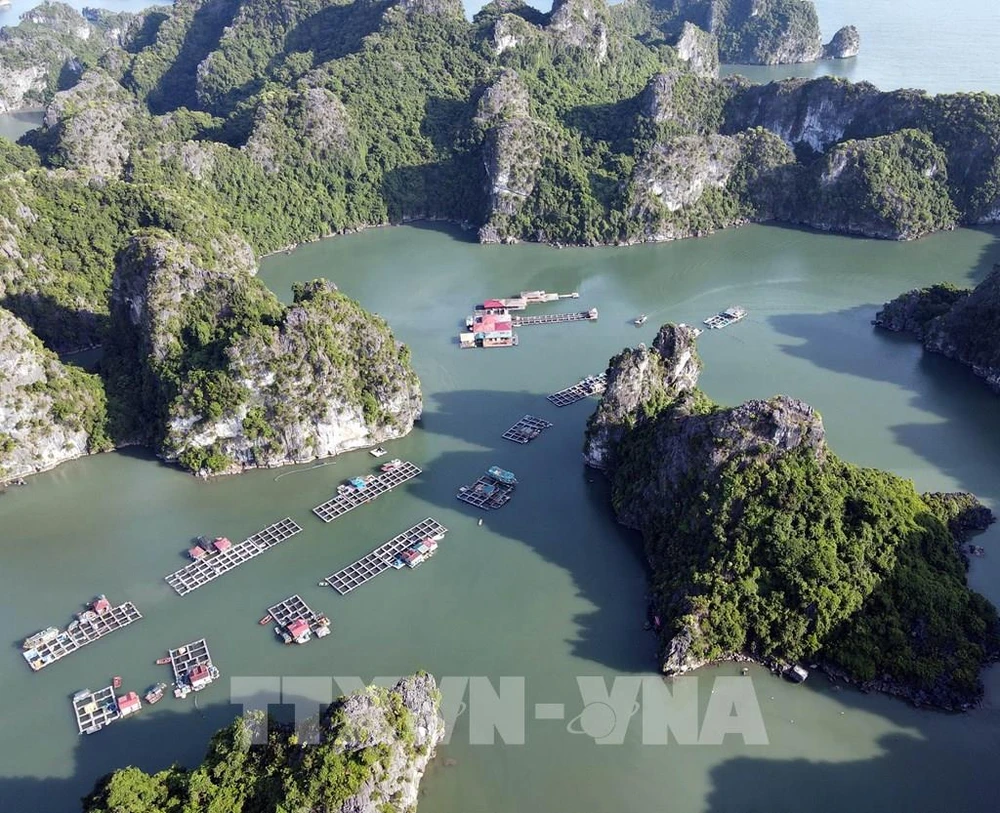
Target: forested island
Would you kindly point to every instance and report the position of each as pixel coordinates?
(765, 545)
(182, 143)
(371, 751)
(962, 324)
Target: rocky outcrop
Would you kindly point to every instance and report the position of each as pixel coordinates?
(49, 47)
(700, 50)
(581, 24)
(675, 174)
(962, 325)
(444, 8)
(657, 375)
(764, 545)
(512, 155)
(49, 413)
(845, 44)
(368, 755)
(310, 120)
(894, 187)
(507, 98)
(90, 126)
(234, 379)
(687, 102)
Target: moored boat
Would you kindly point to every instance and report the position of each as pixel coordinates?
(378, 451)
(116, 681)
(265, 620)
(154, 694)
(640, 320)
(162, 661)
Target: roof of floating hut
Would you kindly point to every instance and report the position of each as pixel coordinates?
(197, 552)
(101, 605)
(493, 303)
(358, 482)
(129, 702)
(222, 543)
(501, 474)
(298, 627)
(199, 673)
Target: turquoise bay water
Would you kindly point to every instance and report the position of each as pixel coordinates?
(547, 589)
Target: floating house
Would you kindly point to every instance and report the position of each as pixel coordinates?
(199, 677)
(128, 703)
(299, 631)
(221, 544)
(197, 552)
(725, 318)
(502, 475)
(417, 554)
(489, 327)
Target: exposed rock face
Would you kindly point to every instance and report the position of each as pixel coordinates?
(311, 119)
(581, 24)
(763, 544)
(512, 154)
(845, 44)
(676, 173)
(700, 50)
(445, 8)
(959, 324)
(53, 39)
(893, 187)
(684, 100)
(49, 413)
(638, 376)
(311, 380)
(506, 98)
(365, 721)
(89, 123)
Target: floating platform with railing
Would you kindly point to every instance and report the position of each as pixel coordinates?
(554, 318)
(379, 560)
(94, 710)
(732, 314)
(591, 385)
(526, 429)
(52, 644)
(491, 491)
(199, 573)
(289, 612)
(362, 490)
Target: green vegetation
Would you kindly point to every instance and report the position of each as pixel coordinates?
(367, 745)
(787, 553)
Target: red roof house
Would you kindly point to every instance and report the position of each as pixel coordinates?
(128, 703)
(101, 605)
(222, 543)
(298, 629)
(199, 676)
(197, 552)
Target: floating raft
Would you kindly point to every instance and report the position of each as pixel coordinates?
(525, 298)
(68, 641)
(727, 317)
(185, 658)
(293, 608)
(526, 429)
(591, 385)
(350, 498)
(488, 493)
(379, 560)
(198, 574)
(94, 710)
(554, 318)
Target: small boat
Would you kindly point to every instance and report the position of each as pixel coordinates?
(391, 465)
(162, 661)
(116, 681)
(265, 620)
(796, 674)
(378, 451)
(640, 320)
(83, 694)
(154, 694)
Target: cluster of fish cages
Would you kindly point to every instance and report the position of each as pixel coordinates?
(591, 385)
(526, 429)
(491, 491)
(50, 645)
(379, 560)
(199, 573)
(362, 490)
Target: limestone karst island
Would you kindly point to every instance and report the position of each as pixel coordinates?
(712, 529)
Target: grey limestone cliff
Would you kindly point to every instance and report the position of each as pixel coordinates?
(846, 43)
(49, 412)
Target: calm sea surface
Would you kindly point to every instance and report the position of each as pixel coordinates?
(550, 588)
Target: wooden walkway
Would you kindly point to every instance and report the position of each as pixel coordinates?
(526, 429)
(82, 633)
(379, 560)
(94, 710)
(591, 385)
(554, 318)
(348, 498)
(486, 493)
(185, 658)
(198, 574)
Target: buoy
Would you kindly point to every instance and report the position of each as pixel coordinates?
(480, 521)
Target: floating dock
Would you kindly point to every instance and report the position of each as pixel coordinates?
(292, 609)
(554, 318)
(188, 657)
(199, 573)
(379, 560)
(727, 317)
(94, 710)
(350, 497)
(52, 644)
(526, 429)
(491, 491)
(591, 385)
(525, 298)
